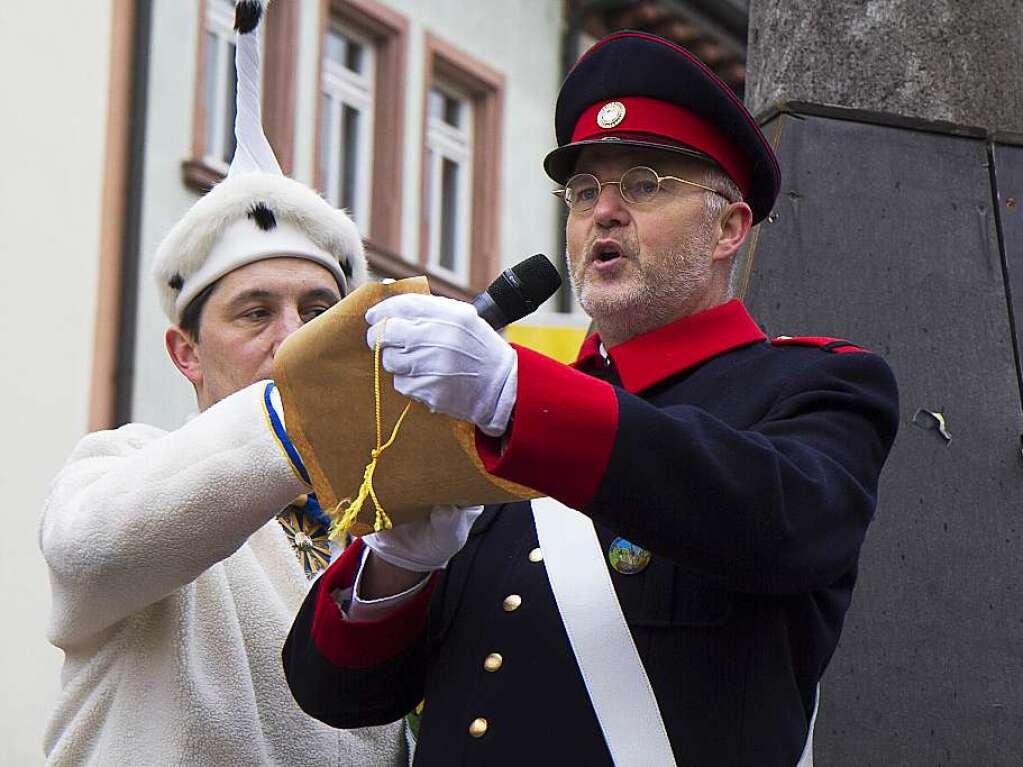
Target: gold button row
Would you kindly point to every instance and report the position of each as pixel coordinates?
(495, 660)
(478, 728)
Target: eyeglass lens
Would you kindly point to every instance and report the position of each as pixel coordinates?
(638, 185)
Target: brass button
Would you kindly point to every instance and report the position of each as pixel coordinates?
(511, 603)
(478, 728)
(536, 555)
(493, 662)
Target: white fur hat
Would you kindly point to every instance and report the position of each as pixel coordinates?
(249, 217)
(256, 212)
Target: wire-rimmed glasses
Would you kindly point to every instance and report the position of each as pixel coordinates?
(638, 186)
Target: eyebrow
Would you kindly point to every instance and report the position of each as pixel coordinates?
(322, 294)
(253, 294)
(260, 294)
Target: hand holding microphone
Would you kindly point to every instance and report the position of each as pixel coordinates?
(449, 357)
(444, 355)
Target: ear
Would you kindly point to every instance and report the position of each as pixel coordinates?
(735, 222)
(184, 353)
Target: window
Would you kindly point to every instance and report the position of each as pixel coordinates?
(213, 139)
(218, 85)
(448, 181)
(461, 162)
(346, 122)
(360, 136)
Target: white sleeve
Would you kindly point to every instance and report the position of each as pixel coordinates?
(355, 609)
(137, 513)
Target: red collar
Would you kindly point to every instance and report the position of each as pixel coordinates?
(650, 358)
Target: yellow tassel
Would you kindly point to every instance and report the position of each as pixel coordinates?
(348, 509)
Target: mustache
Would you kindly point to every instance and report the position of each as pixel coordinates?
(621, 236)
(628, 245)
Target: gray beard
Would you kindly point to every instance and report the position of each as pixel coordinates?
(664, 294)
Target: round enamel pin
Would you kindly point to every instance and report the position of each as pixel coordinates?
(611, 114)
(626, 557)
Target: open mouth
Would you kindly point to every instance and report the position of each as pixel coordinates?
(606, 252)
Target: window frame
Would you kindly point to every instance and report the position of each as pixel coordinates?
(388, 30)
(343, 87)
(217, 19)
(279, 32)
(454, 144)
(485, 87)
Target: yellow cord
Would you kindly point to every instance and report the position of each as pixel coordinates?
(350, 512)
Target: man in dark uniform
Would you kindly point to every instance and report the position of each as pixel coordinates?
(730, 479)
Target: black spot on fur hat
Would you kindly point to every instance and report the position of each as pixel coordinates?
(247, 14)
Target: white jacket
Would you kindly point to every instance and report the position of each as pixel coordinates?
(173, 591)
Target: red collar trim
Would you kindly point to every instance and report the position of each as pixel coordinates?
(650, 358)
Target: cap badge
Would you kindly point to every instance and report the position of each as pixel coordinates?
(611, 114)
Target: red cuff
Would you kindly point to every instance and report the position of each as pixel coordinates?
(358, 644)
(562, 432)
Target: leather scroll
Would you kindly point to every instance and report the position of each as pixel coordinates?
(325, 374)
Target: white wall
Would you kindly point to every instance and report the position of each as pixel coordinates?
(56, 59)
(161, 396)
(307, 95)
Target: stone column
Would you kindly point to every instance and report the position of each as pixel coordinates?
(958, 61)
(899, 226)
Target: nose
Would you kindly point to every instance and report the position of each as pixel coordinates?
(610, 211)
(288, 322)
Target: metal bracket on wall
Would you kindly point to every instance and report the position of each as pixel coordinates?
(933, 420)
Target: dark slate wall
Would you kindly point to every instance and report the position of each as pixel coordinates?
(889, 235)
(935, 59)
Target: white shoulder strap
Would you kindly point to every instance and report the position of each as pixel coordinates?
(806, 760)
(611, 668)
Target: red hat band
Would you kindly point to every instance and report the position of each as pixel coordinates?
(657, 121)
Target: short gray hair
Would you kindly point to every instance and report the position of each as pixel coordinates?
(716, 178)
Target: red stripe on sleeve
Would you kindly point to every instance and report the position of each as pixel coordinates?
(562, 431)
(358, 644)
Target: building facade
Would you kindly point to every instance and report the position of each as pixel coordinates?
(427, 121)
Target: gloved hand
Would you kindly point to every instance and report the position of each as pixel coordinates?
(428, 544)
(442, 354)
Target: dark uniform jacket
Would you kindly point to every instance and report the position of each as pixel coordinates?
(748, 468)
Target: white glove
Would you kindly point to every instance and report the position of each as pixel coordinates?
(428, 544)
(444, 355)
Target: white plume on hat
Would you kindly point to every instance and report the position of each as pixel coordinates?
(256, 212)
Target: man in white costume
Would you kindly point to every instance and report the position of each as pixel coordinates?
(178, 559)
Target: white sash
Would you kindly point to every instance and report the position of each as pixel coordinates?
(611, 668)
(806, 760)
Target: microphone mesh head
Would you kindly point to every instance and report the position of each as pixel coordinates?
(521, 289)
(539, 277)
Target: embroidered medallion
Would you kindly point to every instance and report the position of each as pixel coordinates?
(626, 557)
(307, 533)
(611, 114)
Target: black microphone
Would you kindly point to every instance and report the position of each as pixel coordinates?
(518, 291)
